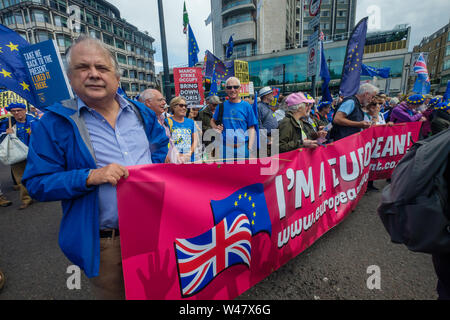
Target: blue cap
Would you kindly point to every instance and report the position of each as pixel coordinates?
(445, 105)
(434, 102)
(16, 105)
(323, 104)
(416, 99)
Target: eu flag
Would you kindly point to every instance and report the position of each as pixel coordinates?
(213, 91)
(223, 70)
(325, 75)
(351, 72)
(230, 47)
(193, 48)
(375, 72)
(13, 73)
(249, 200)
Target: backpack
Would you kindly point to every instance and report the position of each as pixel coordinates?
(219, 120)
(414, 207)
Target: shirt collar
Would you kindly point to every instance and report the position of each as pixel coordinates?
(123, 103)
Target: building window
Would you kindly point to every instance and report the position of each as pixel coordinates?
(131, 61)
(40, 16)
(121, 58)
(125, 86)
(134, 87)
(91, 19)
(95, 34)
(342, 13)
(447, 52)
(120, 44)
(63, 40)
(447, 64)
(105, 25)
(324, 13)
(130, 47)
(125, 73)
(341, 25)
(108, 40)
(325, 26)
(237, 19)
(43, 36)
(342, 1)
(60, 21)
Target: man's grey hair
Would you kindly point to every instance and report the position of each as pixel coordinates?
(94, 42)
(368, 88)
(147, 94)
(232, 79)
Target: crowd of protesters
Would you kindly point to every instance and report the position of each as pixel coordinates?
(84, 145)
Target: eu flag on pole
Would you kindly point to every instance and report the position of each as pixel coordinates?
(375, 72)
(351, 72)
(249, 200)
(13, 73)
(193, 48)
(213, 89)
(230, 47)
(325, 75)
(223, 70)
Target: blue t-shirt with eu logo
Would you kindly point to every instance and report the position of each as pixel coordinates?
(238, 117)
(182, 134)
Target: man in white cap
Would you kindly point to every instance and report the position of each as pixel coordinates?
(266, 117)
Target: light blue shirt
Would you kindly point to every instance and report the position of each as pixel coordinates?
(126, 144)
(347, 107)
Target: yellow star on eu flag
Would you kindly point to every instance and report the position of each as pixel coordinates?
(1, 50)
(13, 46)
(5, 73)
(25, 86)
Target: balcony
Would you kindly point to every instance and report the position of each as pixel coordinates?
(243, 32)
(238, 5)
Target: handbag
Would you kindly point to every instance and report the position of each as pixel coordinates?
(12, 150)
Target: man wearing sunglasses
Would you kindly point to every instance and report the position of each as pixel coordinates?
(236, 122)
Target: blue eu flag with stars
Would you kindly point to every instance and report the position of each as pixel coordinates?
(13, 73)
(193, 48)
(351, 72)
(249, 200)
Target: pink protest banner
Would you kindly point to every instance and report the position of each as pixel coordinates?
(212, 231)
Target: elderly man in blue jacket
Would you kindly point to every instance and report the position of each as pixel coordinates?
(78, 153)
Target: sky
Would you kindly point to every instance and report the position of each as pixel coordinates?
(424, 16)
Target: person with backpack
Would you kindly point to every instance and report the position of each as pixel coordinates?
(349, 117)
(414, 206)
(236, 121)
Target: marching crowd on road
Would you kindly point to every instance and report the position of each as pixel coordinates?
(79, 149)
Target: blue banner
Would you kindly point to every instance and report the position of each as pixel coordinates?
(46, 71)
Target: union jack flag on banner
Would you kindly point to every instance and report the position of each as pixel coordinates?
(202, 258)
(420, 67)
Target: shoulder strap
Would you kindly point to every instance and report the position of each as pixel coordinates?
(170, 122)
(220, 117)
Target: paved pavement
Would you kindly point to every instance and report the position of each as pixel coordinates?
(335, 267)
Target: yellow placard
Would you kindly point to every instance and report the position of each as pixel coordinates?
(241, 72)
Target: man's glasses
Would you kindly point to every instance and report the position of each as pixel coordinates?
(233, 87)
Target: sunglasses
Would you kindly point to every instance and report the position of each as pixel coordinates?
(182, 105)
(233, 87)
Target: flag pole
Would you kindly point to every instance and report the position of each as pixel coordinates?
(164, 51)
